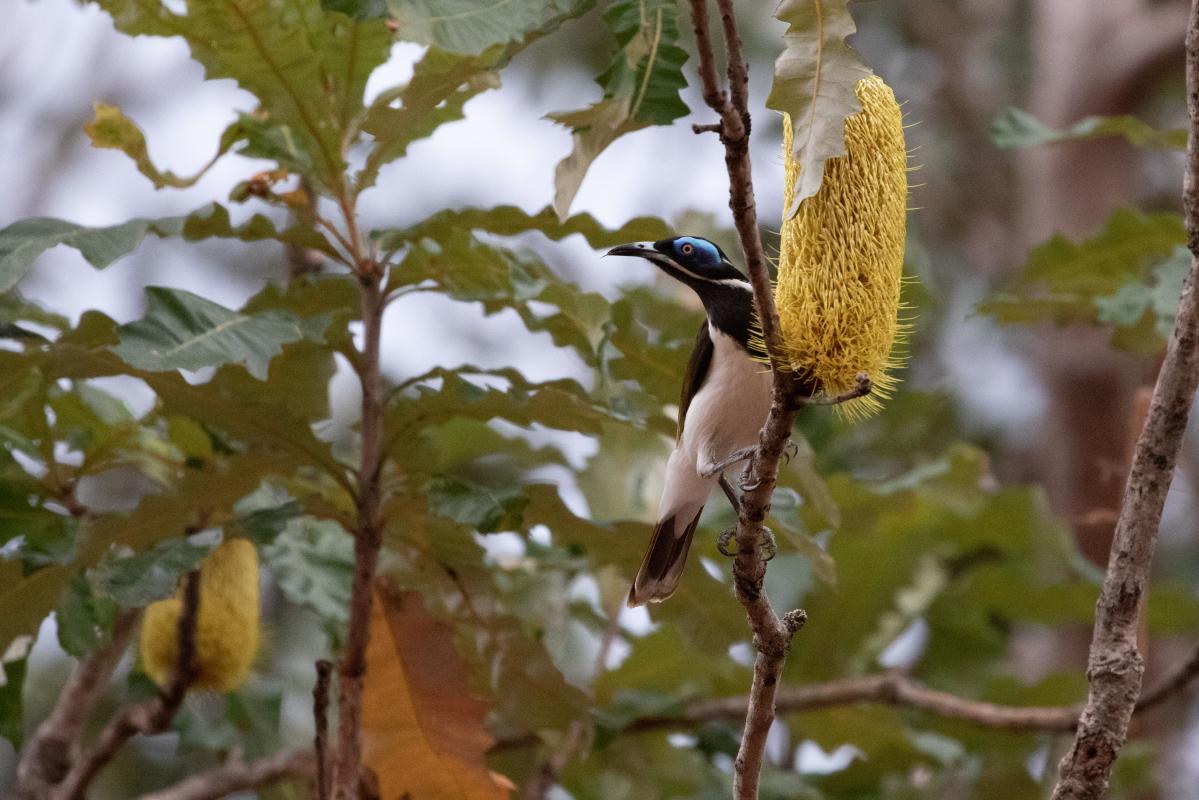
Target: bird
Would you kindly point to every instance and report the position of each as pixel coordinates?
(725, 399)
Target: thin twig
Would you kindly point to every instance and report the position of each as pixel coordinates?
(548, 770)
(863, 387)
(897, 689)
(238, 776)
(55, 745)
(1115, 665)
(320, 714)
(152, 716)
(368, 539)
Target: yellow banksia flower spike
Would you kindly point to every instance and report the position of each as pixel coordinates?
(227, 622)
(841, 257)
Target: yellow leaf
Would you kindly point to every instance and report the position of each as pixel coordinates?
(422, 729)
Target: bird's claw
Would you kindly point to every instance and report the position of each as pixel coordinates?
(746, 484)
(790, 452)
(766, 543)
(722, 542)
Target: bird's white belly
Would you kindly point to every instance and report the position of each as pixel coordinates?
(730, 408)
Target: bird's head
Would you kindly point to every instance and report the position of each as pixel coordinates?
(693, 260)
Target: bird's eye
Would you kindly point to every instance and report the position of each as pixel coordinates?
(687, 249)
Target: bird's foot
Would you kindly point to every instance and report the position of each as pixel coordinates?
(790, 451)
(746, 482)
(735, 457)
(766, 543)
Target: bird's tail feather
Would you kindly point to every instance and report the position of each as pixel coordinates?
(663, 564)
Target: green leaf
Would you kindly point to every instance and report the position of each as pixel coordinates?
(1013, 127)
(1063, 279)
(182, 330)
(560, 404)
(1158, 298)
(249, 410)
(441, 84)
(14, 663)
(26, 600)
(140, 579)
(312, 561)
(814, 82)
(641, 87)
(84, 617)
(307, 67)
(15, 309)
(470, 26)
(513, 221)
(213, 221)
(110, 128)
(483, 508)
(22, 242)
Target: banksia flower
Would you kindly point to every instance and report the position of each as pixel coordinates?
(226, 622)
(841, 258)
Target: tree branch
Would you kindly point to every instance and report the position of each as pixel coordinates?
(772, 635)
(1115, 666)
(369, 534)
(238, 776)
(48, 756)
(897, 689)
(152, 716)
(320, 716)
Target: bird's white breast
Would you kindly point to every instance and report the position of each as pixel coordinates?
(725, 415)
(731, 406)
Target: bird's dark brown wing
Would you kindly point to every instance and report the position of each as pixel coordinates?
(697, 371)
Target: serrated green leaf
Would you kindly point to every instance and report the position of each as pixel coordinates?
(470, 26)
(1013, 127)
(441, 85)
(641, 87)
(142, 578)
(486, 509)
(213, 221)
(22, 242)
(182, 330)
(814, 82)
(512, 221)
(110, 128)
(14, 309)
(1063, 279)
(558, 404)
(312, 561)
(84, 618)
(308, 67)
(249, 410)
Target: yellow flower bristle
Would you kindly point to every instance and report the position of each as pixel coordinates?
(841, 257)
(227, 622)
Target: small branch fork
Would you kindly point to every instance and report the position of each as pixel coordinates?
(152, 716)
(1115, 666)
(54, 747)
(238, 776)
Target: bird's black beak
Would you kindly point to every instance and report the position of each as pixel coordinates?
(640, 249)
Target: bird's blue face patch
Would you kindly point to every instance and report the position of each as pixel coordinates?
(691, 250)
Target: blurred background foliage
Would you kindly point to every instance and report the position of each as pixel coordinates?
(958, 536)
